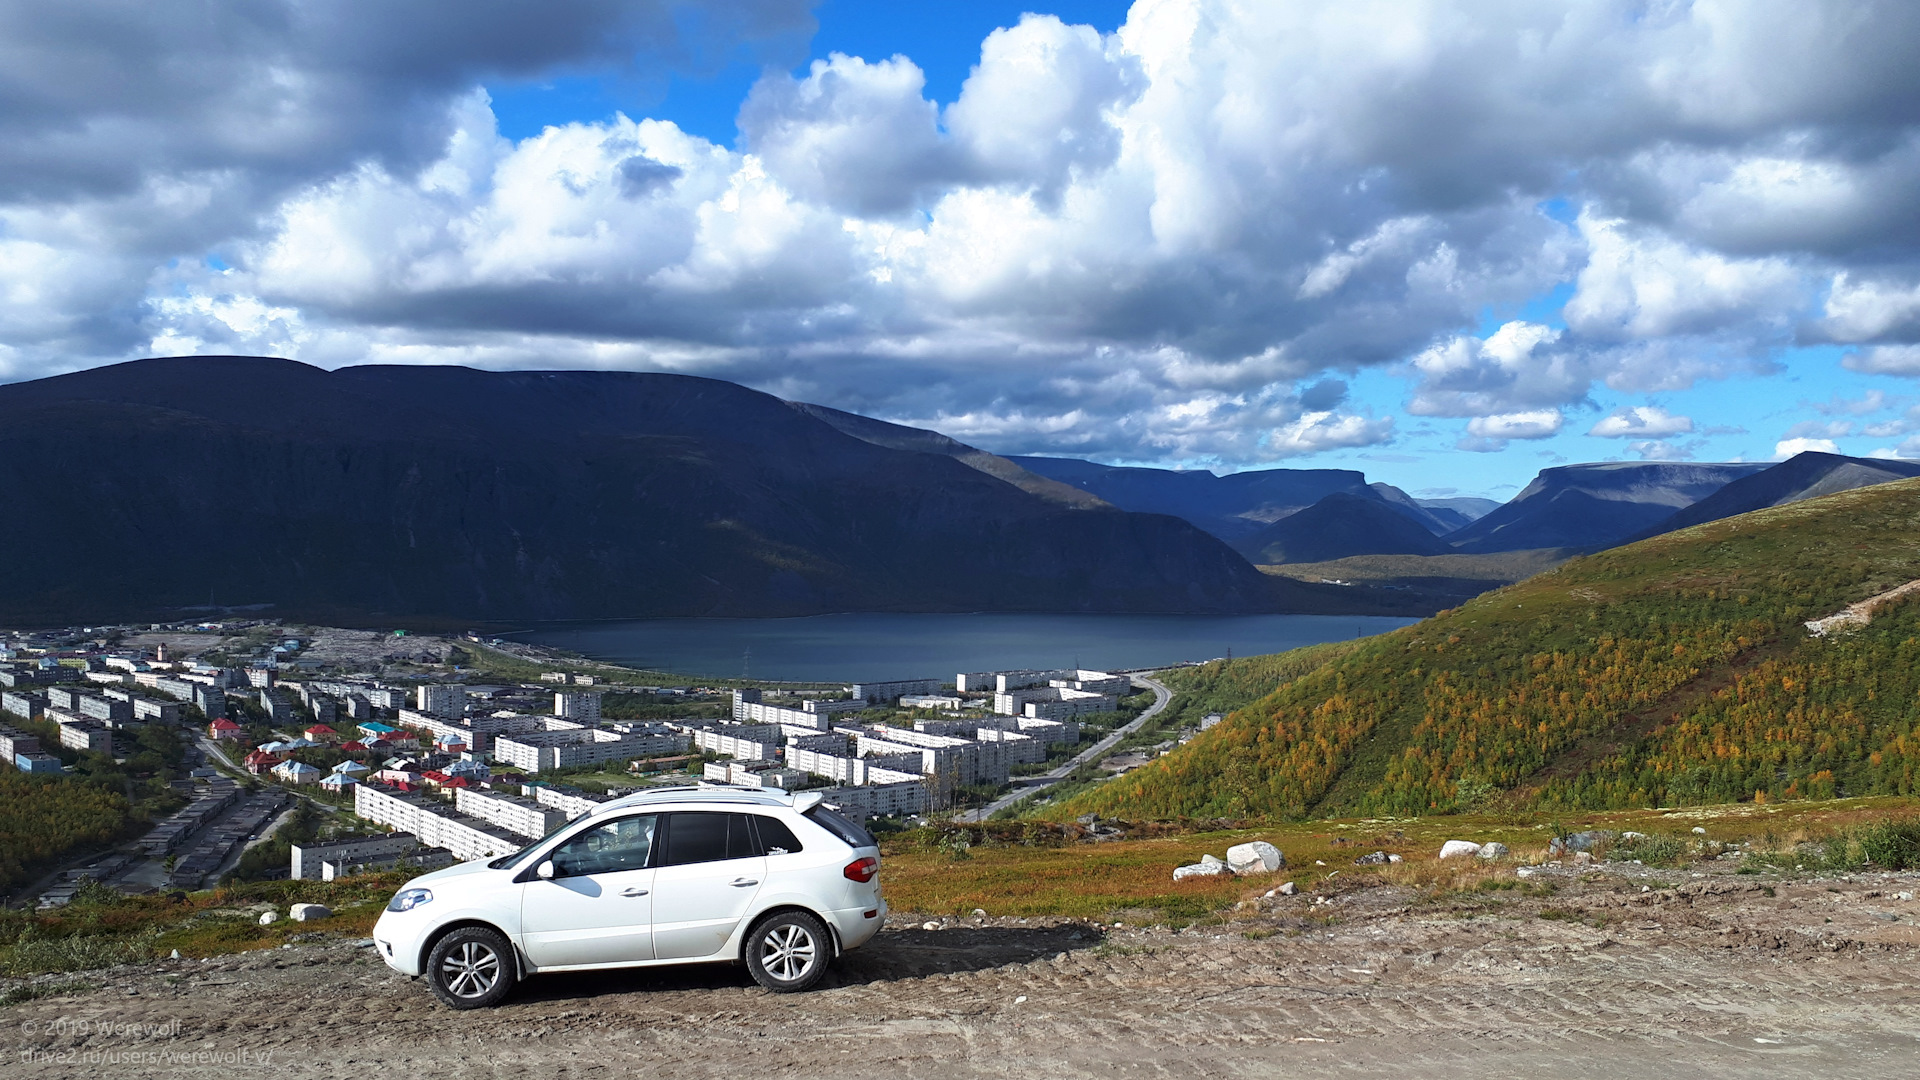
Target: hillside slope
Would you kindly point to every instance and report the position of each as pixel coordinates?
(437, 493)
(1674, 670)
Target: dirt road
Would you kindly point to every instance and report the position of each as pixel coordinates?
(1710, 977)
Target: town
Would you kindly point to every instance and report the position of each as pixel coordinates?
(436, 766)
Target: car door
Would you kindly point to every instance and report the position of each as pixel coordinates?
(598, 906)
(709, 869)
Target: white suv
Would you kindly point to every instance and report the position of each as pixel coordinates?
(669, 876)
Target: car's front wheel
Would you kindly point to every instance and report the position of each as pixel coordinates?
(788, 952)
(471, 968)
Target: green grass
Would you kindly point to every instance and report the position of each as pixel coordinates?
(1670, 672)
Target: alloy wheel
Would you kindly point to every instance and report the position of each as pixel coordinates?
(788, 952)
(470, 970)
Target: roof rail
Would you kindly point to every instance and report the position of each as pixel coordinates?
(699, 793)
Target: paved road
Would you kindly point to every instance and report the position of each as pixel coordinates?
(1033, 785)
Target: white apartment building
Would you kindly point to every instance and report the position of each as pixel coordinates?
(886, 693)
(514, 813)
(1094, 682)
(1052, 702)
(578, 705)
(447, 700)
(566, 800)
(879, 800)
(539, 751)
(308, 857)
(435, 825)
(751, 742)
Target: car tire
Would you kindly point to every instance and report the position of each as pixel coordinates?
(787, 952)
(471, 968)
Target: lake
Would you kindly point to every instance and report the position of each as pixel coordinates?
(852, 647)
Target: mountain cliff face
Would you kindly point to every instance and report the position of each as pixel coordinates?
(1803, 476)
(1590, 507)
(396, 493)
(1233, 506)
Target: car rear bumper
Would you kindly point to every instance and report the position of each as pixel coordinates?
(855, 926)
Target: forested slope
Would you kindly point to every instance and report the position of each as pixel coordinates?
(1675, 670)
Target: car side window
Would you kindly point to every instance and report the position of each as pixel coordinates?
(775, 837)
(697, 837)
(625, 844)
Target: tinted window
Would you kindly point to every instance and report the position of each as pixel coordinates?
(707, 837)
(841, 827)
(775, 837)
(604, 849)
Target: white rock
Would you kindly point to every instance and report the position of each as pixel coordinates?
(268, 918)
(1698, 831)
(1215, 868)
(1493, 850)
(1583, 858)
(309, 912)
(1391, 857)
(175, 955)
(1208, 860)
(930, 926)
(979, 913)
(1456, 848)
(1257, 857)
(1633, 836)
(1288, 889)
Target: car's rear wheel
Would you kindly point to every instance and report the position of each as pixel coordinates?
(471, 968)
(787, 952)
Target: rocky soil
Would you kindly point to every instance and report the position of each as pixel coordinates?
(1622, 971)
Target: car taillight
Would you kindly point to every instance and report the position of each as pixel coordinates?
(862, 870)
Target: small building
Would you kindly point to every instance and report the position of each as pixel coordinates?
(351, 768)
(353, 746)
(225, 729)
(260, 763)
(337, 783)
(37, 762)
(321, 733)
(297, 772)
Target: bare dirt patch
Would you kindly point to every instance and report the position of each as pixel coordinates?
(1588, 972)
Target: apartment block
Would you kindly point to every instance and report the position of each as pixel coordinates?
(1095, 682)
(879, 800)
(150, 710)
(514, 813)
(578, 705)
(435, 825)
(539, 751)
(14, 743)
(24, 704)
(445, 700)
(886, 693)
(308, 858)
(568, 801)
(84, 734)
(746, 741)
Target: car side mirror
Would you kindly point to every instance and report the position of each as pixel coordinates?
(545, 869)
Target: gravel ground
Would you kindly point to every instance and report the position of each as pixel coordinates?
(1711, 973)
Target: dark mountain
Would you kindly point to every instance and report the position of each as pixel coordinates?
(1437, 521)
(1803, 476)
(922, 441)
(1468, 507)
(1341, 525)
(1590, 507)
(1230, 507)
(417, 493)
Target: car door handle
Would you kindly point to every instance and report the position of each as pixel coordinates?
(743, 882)
(633, 892)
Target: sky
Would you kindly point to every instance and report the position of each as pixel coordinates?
(1448, 243)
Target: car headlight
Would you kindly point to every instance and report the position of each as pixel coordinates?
(408, 899)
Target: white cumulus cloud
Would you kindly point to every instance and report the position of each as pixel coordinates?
(1642, 421)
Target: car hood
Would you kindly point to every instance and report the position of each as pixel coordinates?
(478, 866)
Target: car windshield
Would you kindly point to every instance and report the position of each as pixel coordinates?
(508, 862)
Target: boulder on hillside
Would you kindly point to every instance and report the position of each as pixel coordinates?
(1493, 850)
(1256, 857)
(309, 912)
(1378, 858)
(1580, 841)
(1208, 866)
(1454, 849)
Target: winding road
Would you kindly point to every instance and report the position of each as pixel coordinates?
(1033, 785)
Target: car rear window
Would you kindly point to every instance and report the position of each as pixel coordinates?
(842, 827)
(775, 837)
